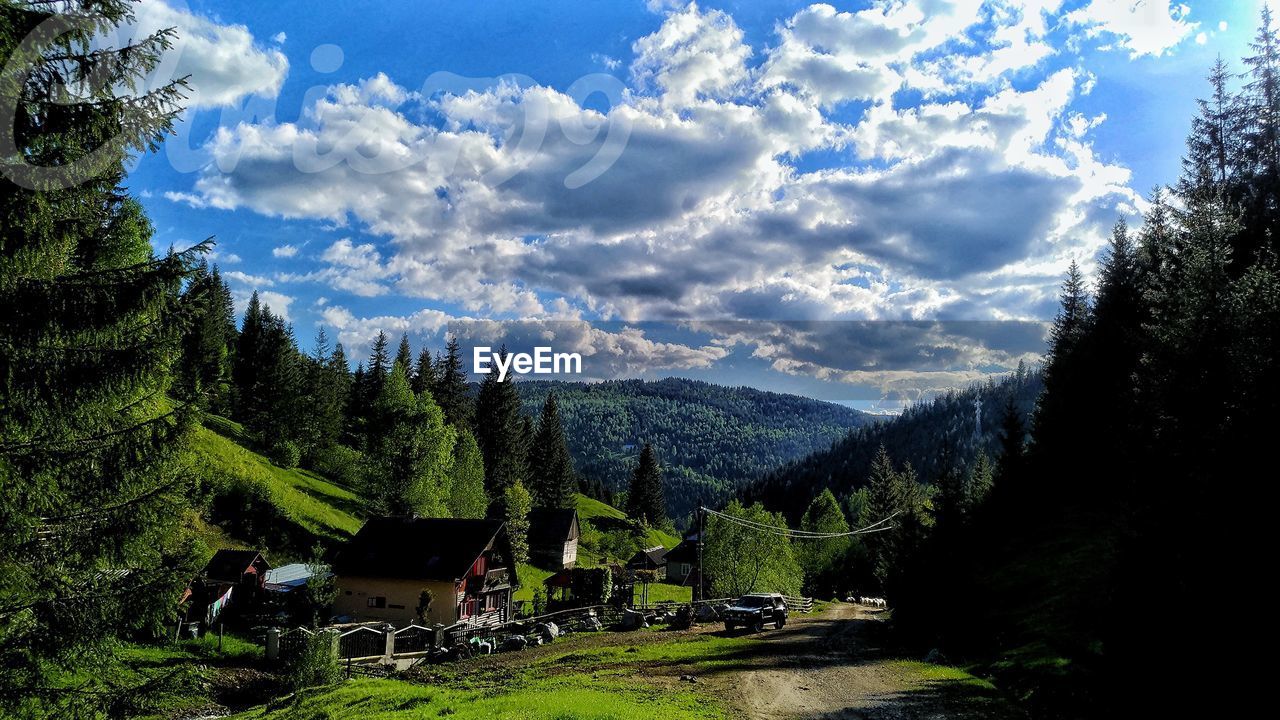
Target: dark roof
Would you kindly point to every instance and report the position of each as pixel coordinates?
(416, 548)
(657, 556)
(685, 552)
(231, 565)
(550, 526)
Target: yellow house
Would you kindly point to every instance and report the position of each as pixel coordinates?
(406, 570)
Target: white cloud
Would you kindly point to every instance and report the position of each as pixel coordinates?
(694, 54)
(224, 62)
(1143, 27)
(279, 38)
(965, 204)
(284, 251)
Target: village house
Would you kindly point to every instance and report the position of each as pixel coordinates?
(461, 570)
(553, 538)
(652, 559)
(230, 578)
(682, 562)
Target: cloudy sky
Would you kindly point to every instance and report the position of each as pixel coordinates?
(861, 201)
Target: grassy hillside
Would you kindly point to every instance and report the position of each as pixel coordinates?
(709, 438)
(251, 502)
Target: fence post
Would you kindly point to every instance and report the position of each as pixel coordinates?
(273, 643)
(389, 647)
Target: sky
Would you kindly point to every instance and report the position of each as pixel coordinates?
(866, 202)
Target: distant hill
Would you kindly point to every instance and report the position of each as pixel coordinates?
(967, 421)
(709, 438)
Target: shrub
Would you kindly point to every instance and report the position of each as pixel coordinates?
(284, 453)
(339, 463)
(315, 662)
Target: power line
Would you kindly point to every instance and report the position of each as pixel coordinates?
(878, 526)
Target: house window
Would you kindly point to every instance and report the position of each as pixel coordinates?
(378, 602)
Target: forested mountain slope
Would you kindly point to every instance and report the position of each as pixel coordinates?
(708, 437)
(952, 428)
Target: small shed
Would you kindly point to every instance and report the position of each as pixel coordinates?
(287, 578)
(553, 537)
(653, 559)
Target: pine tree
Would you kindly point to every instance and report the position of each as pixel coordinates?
(404, 355)
(500, 432)
(646, 499)
(1013, 434)
(379, 365)
(409, 462)
(1262, 141)
(248, 363)
(324, 398)
(452, 391)
(424, 376)
(467, 498)
(1213, 147)
(552, 480)
(90, 322)
(981, 480)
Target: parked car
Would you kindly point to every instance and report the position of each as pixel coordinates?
(755, 610)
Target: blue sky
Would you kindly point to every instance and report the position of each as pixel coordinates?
(651, 175)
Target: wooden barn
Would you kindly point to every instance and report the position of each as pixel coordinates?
(553, 538)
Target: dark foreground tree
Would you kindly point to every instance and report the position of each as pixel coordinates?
(90, 491)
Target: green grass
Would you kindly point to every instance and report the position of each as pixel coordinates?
(940, 673)
(531, 578)
(319, 507)
(560, 697)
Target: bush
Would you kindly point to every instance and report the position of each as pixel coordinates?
(284, 453)
(591, 586)
(315, 662)
(339, 463)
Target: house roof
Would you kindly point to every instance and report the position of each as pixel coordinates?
(551, 526)
(655, 555)
(287, 577)
(416, 548)
(685, 552)
(231, 565)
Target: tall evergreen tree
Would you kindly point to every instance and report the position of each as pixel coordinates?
(1214, 145)
(451, 390)
(90, 321)
(404, 355)
(424, 376)
(646, 498)
(248, 363)
(379, 365)
(500, 432)
(552, 480)
(325, 396)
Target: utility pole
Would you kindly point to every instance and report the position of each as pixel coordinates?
(698, 587)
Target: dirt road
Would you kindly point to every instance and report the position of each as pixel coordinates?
(831, 667)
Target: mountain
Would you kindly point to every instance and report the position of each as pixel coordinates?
(709, 438)
(965, 421)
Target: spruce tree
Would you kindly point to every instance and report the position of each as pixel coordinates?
(451, 390)
(324, 397)
(404, 355)
(552, 480)
(379, 366)
(90, 321)
(248, 363)
(424, 376)
(646, 499)
(500, 432)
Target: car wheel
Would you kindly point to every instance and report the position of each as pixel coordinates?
(757, 626)
(777, 624)
(728, 627)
